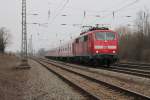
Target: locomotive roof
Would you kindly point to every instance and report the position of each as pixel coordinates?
(96, 30)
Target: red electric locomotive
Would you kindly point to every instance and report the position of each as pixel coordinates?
(96, 46)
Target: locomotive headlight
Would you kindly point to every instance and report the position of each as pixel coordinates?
(114, 51)
(97, 51)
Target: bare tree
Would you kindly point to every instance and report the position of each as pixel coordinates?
(4, 39)
(142, 22)
(135, 45)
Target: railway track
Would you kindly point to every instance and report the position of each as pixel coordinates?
(142, 72)
(134, 66)
(95, 88)
(133, 71)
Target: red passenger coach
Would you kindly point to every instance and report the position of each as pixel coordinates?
(96, 46)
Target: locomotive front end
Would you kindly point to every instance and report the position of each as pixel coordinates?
(106, 47)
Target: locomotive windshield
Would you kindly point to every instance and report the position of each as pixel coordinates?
(105, 36)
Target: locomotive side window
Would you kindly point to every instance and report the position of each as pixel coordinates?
(105, 36)
(85, 38)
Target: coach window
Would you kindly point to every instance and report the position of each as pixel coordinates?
(68, 47)
(77, 40)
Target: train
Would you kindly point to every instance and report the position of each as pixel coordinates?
(96, 46)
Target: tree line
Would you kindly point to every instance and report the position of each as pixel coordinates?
(4, 39)
(134, 45)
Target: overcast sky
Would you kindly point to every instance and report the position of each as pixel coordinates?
(48, 36)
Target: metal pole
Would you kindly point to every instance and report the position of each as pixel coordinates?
(24, 31)
(30, 46)
(24, 56)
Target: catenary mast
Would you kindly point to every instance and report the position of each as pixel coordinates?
(24, 55)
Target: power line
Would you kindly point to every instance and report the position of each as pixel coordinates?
(113, 13)
(85, 11)
(81, 9)
(117, 10)
(126, 6)
(59, 5)
(63, 7)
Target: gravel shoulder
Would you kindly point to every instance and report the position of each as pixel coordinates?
(34, 84)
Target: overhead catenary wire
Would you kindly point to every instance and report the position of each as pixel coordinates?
(126, 6)
(59, 5)
(63, 7)
(117, 10)
(82, 21)
(113, 12)
(85, 11)
(81, 9)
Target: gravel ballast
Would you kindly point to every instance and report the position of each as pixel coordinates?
(36, 83)
(44, 85)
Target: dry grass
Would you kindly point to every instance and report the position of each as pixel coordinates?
(11, 81)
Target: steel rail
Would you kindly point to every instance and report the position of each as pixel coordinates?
(130, 71)
(138, 64)
(136, 95)
(133, 66)
(82, 90)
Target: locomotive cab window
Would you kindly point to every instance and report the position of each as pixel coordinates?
(100, 36)
(105, 36)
